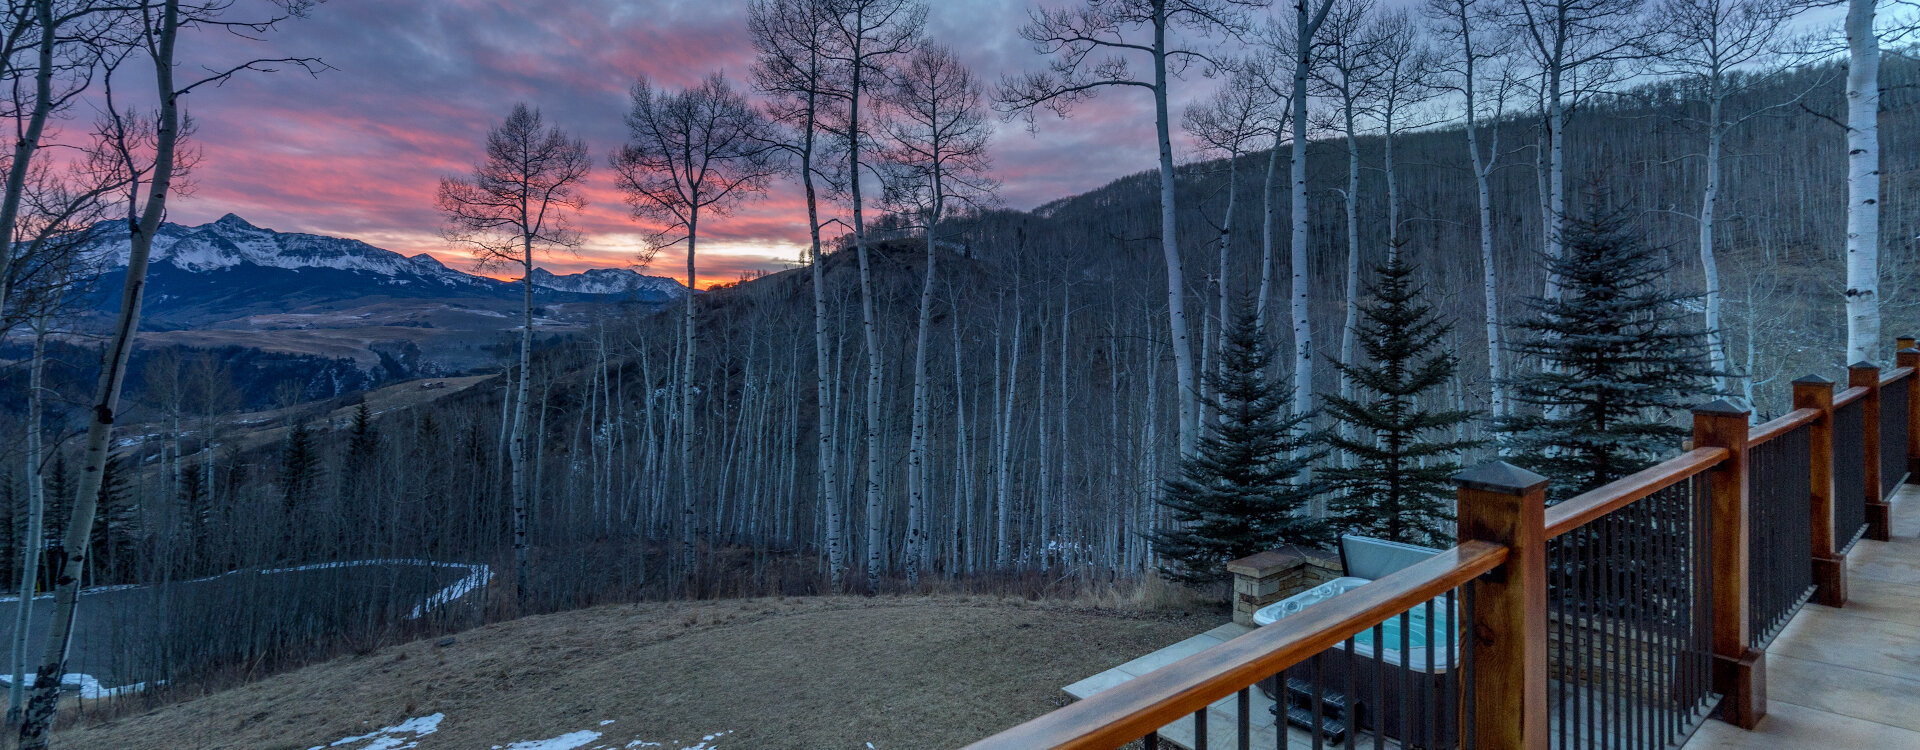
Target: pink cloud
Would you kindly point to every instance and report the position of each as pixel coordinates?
(359, 150)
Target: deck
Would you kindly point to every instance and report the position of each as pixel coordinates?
(1847, 677)
(1837, 678)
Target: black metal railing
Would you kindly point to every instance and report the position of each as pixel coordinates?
(1849, 474)
(1780, 561)
(1893, 436)
(1357, 694)
(1628, 650)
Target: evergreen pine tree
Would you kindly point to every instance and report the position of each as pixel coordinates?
(1619, 362)
(1399, 483)
(1243, 490)
(193, 511)
(113, 533)
(299, 469)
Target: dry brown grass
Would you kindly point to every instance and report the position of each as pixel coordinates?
(816, 672)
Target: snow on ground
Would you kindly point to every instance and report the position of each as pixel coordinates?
(406, 736)
(587, 739)
(401, 736)
(90, 688)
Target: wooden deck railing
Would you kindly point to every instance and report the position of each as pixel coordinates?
(1618, 617)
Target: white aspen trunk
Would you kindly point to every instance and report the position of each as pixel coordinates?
(33, 544)
(517, 442)
(963, 465)
(1302, 324)
(1489, 268)
(1709, 268)
(1066, 397)
(1226, 249)
(1266, 234)
(1556, 181)
(1348, 332)
(1863, 182)
(688, 517)
(1036, 542)
(823, 389)
(37, 724)
(876, 529)
(1393, 184)
(1003, 493)
(917, 450)
(1170, 246)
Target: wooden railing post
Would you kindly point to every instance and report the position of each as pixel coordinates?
(1739, 671)
(1504, 504)
(1867, 375)
(1829, 566)
(1909, 356)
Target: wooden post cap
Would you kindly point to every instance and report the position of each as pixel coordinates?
(1721, 407)
(1812, 380)
(1500, 477)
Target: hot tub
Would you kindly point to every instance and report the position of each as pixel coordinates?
(1381, 684)
(1417, 651)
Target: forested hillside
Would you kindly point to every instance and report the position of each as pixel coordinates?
(1050, 388)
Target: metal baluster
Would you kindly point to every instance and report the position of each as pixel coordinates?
(1374, 721)
(1246, 709)
(1427, 682)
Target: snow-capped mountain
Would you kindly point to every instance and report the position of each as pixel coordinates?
(230, 283)
(609, 281)
(231, 262)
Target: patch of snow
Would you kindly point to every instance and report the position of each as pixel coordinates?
(90, 688)
(568, 741)
(401, 736)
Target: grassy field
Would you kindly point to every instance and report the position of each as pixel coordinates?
(836, 672)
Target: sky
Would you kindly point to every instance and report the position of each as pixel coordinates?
(358, 150)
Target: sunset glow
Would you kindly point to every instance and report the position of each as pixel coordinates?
(357, 152)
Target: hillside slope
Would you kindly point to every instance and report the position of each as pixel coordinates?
(838, 672)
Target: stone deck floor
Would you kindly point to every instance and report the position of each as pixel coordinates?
(1847, 677)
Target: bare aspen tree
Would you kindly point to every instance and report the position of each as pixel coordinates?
(1091, 47)
(1715, 46)
(699, 150)
(514, 205)
(1863, 181)
(938, 138)
(1406, 62)
(1309, 15)
(58, 225)
(155, 30)
(1575, 47)
(1227, 124)
(791, 37)
(1349, 74)
(1261, 66)
(56, 44)
(868, 36)
(1462, 24)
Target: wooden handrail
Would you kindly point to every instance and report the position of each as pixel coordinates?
(1585, 507)
(1128, 711)
(1781, 425)
(1849, 396)
(1888, 377)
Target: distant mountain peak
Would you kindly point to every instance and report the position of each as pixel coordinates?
(233, 220)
